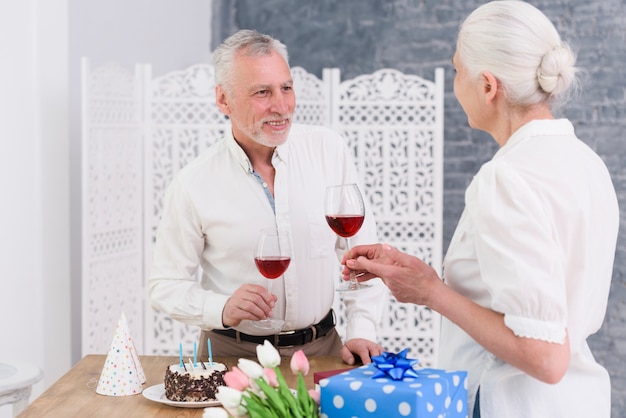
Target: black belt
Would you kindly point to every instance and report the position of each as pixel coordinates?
(286, 338)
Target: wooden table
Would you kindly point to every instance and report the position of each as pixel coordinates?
(74, 394)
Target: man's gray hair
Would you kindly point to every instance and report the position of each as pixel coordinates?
(248, 42)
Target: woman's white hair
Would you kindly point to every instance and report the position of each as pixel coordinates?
(519, 45)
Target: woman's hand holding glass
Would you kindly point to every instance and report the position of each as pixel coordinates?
(345, 212)
(408, 278)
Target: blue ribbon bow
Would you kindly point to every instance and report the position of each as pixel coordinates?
(394, 366)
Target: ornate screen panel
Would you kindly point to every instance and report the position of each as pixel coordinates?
(137, 138)
(393, 122)
(312, 98)
(112, 205)
(183, 121)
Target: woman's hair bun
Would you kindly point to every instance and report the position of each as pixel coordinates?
(557, 72)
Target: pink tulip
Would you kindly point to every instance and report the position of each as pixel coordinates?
(237, 379)
(299, 363)
(315, 395)
(270, 377)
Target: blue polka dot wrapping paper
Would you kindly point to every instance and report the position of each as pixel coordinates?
(358, 393)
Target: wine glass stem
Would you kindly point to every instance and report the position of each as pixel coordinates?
(269, 286)
(354, 283)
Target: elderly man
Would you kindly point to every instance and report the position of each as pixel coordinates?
(265, 172)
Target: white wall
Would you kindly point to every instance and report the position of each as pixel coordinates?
(34, 179)
(41, 43)
(170, 35)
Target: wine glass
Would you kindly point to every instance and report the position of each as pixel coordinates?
(345, 213)
(272, 257)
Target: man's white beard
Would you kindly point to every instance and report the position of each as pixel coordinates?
(261, 137)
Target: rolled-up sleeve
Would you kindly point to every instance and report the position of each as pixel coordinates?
(173, 287)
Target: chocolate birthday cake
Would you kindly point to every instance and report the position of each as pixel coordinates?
(194, 384)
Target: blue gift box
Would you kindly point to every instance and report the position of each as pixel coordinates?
(370, 391)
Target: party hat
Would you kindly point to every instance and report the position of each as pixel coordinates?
(122, 374)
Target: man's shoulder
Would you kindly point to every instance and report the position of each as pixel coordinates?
(205, 158)
(318, 133)
(306, 129)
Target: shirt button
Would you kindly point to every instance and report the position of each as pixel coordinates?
(265, 185)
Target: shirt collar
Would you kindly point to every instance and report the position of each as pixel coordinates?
(539, 127)
(280, 153)
(237, 152)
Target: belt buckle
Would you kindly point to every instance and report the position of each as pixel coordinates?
(281, 333)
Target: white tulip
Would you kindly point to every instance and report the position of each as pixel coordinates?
(239, 412)
(229, 397)
(214, 412)
(268, 355)
(256, 389)
(252, 369)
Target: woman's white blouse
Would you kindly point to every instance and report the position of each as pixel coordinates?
(536, 242)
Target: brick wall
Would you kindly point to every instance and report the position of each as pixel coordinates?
(416, 36)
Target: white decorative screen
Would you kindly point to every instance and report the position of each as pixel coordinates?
(393, 123)
(112, 204)
(183, 120)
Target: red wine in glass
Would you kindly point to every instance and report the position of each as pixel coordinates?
(272, 258)
(272, 267)
(345, 225)
(345, 213)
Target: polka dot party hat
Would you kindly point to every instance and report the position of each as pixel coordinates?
(122, 374)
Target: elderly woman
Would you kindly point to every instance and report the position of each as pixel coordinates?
(528, 270)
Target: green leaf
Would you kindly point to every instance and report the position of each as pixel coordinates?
(294, 405)
(313, 408)
(273, 397)
(307, 404)
(256, 411)
(280, 402)
(254, 398)
(303, 397)
(280, 378)
(294, 408)
(257, 407)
